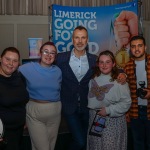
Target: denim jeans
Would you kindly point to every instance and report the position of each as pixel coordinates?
(78, 126)
(140, 129)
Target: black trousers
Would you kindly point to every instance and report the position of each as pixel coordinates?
(13, 138)
(140, 129)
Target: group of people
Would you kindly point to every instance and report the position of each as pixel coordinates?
(30, 95)
(81, 86)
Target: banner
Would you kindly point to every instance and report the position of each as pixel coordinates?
(109, 27)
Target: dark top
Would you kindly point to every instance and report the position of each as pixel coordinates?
(71, 89)
(13, 99)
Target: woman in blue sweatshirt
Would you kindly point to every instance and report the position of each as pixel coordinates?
(43, 80)
(13, 99)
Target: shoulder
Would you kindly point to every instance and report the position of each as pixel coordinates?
(18, 75)
(62, 57)
(95, 81)
(92, 56)
(56, 68)
(131, 61)
(129, 64)
(27, 67)
(92, 59)
(63, 54)
(148, 57)
(92, 81)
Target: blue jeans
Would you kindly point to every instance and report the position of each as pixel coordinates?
(140, 129)
(78, 126)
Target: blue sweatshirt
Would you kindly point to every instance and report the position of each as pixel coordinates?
(43, 83)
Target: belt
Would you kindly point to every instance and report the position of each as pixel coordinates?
(39, 101)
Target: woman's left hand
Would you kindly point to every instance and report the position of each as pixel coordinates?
(102, 112)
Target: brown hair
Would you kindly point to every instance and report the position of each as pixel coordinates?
(114, 72)
(80, 28)
(10, 49)
(51, 44)
(48, 43)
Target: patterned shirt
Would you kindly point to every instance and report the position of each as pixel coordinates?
(131, 78)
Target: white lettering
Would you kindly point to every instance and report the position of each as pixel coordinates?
(57, 34)
(65, 35)
(70, 24)
(93, 47)
(74, 15)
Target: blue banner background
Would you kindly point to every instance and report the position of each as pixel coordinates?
(98, 21)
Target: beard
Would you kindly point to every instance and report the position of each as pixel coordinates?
(139, 56)
(80, 48)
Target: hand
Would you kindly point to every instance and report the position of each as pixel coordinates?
(125, 27)
(25, 126)
(102, 112)
(147, 96)
(122, 78)
(127, 117)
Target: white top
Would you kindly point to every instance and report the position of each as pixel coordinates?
(141, 76)
(111, 95)
(79, 66)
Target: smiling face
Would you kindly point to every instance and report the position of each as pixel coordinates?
(80, 39)
(138, 48)
(105, 64)
(9, 63)
(48, 55)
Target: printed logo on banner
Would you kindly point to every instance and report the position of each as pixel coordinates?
(109, 27)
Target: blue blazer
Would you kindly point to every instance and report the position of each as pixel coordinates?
(71, 89)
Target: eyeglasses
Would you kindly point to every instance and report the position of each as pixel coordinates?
(52, 54)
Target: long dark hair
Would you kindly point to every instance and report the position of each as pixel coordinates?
(114, 72)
